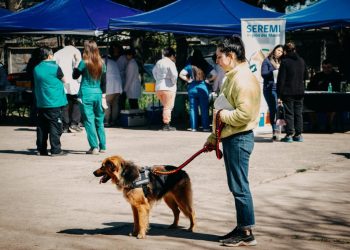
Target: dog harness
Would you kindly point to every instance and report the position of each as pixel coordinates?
(143, 180)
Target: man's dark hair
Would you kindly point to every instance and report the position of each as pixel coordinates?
(168, 52)
(45, 52)
(69, 41)
(289, 47)
(233, 44)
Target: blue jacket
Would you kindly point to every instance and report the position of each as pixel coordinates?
(267, 74)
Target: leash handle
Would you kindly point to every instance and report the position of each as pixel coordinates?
(219, 125)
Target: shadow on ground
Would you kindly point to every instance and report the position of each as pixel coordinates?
(124, 228)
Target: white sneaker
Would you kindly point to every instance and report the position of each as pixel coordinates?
(92, 151)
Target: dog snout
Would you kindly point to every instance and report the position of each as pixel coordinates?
(98, 173)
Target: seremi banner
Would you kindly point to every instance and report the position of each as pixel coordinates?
(260, 36)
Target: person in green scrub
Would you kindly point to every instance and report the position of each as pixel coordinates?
(50, 99)
(92, 95)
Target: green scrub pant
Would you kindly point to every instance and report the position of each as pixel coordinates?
(93, 116)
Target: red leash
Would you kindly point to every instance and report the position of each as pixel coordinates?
(207, 148)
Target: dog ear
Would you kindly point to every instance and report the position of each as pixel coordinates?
(109, 164)
(130, 171)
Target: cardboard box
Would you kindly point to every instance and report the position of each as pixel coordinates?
(132, 117)
(150, 87)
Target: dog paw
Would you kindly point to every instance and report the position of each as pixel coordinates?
(133, 233)
(141, 236)
(191, 229)
(173, 226)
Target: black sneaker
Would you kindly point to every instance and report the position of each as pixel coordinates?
(167, 127)
(229, 235)
(42, 153)
(76, 128)
(298, 138)
(66, 130)
(287, 138)
(240, 238)
(62, 153)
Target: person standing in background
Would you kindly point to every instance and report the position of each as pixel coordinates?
(196, 74)
(113, 89)
(65, 58)
(269, 72)
(132, 86)
(165, 74)
(50, 98)
(290, 91)
(92, 95)
(122, 61)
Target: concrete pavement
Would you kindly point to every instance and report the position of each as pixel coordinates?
(301, 193)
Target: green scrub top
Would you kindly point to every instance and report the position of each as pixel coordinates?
(49, 89)
(89, 85)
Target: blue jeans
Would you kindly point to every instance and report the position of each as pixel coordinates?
(271, 100)
(198, 95)
(237, 149)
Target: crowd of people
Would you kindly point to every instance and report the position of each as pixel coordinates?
(97, 87)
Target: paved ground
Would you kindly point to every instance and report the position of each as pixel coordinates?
(301, 193)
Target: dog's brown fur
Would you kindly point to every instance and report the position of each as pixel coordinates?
(176, 192)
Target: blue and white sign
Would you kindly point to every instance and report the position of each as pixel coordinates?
(260, 36)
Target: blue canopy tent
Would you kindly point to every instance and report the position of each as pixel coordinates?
(325, 13)
(211, 17)
(80, 17)
(4, 12)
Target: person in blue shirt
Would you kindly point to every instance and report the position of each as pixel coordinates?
(198, 73)
(92, 94)
(50, 99)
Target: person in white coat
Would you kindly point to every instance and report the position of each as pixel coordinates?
(66, 58)
(132, 86)
(113, 91)
(165, 74)
(118, 53)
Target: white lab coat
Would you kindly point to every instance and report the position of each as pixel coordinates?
(165, 74)
(113, 79)
(122, 62)
(132, 80)
(65, 59)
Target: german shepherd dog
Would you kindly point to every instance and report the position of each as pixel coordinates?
(175, 189)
